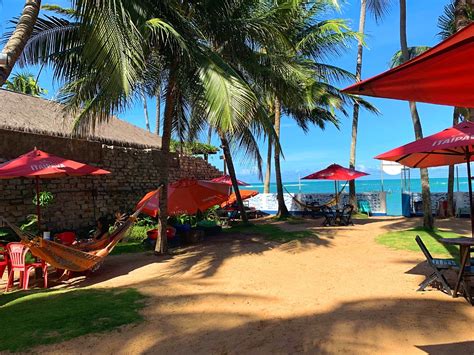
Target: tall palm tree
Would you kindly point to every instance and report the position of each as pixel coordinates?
(19, 37)
(428, 221)
(378, 8)
(26, 84)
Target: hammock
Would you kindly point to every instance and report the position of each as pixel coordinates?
(331, 202)
(69, 258)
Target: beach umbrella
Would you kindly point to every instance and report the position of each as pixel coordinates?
(442, 75)
(454, 145)
(38, 164)
(245, 194)
(186, 196)
(337, 173)
(225, 179)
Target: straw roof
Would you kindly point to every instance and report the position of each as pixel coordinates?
(24, 113)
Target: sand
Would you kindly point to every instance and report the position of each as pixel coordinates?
(341, 292)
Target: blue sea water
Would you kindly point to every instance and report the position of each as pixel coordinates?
(392, 187)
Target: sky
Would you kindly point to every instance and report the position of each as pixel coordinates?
(306, 153)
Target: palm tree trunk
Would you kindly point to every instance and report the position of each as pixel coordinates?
(268, 171)
(282, 209)
(450, 212)
(209, 138)
(428, 221)
(461, 8)
(145, 109)
(158, 110)
(233, 176)
(355, 115)
(170, 102)
(20, 36)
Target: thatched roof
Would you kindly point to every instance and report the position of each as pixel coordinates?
(26, 113)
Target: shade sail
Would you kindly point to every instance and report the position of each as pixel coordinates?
(187, 196)
(442, 75)
(443, 148)
(335, 172)
(39, 164)
(244, 194)
(225, 179)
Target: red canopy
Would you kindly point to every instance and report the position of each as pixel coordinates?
(39, 164)
(442, 75)
(335, 172)
(187, 197)
(444, 148)
(244, 194)
(225, 179)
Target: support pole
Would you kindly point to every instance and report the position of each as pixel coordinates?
(469, 182)
(38, 207)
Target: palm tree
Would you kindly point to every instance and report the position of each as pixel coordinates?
(19, 37)
(378, 8)
(428, 221)
(25, 83)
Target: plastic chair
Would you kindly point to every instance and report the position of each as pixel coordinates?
(17, 253)
(3, 262)
(364, 207)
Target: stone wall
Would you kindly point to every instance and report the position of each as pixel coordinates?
(79, 201)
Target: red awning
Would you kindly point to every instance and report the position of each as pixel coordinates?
(40, 164)
(443, 148)
(187, 197)
(335, 172)
(225, 179)
(442, 75)
(244, 194)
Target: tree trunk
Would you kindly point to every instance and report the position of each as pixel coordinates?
(355, 115)
(428, 221)
(268, 171)
(20, 36)
(209, 138)
(450, 212)
(233, 176)
(170, 102)
(145, 109)
(282, 210)
(158, 110)
(461, 9)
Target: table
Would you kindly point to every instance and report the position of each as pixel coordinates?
(464, 244)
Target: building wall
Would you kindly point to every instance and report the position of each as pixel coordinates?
(79, 201)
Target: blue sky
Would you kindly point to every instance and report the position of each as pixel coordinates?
(306, 153)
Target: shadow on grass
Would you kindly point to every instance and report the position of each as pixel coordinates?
(47, 317)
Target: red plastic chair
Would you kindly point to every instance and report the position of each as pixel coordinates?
(17, 253)
(3, 261)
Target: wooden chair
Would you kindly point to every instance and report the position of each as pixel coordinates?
(439, 266)
(345, 217)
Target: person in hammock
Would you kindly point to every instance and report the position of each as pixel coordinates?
(98, 238)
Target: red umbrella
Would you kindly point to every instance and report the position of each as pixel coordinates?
(442, 75)
(38, 164)
(225, 179)
(454, 145)
(187, 196)
(337, 173)
(245, 194)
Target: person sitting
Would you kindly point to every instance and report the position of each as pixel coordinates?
(98, 238)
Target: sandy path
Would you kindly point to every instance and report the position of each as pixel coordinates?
(339, 293)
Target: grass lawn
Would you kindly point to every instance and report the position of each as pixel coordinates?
(405, 240)
(271, 232)
(45, 317)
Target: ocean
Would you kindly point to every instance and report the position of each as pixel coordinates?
(393, 187)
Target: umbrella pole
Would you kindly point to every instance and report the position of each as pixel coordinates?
(38, 209)
(335, 191)
(469, 183)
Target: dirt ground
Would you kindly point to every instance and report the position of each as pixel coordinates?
(340, 292)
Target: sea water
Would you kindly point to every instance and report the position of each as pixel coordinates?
(392, 187)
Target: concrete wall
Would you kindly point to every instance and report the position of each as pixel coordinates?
(79, 201)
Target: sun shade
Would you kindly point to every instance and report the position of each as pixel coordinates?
(225, 179)
(442, 75)
(335, 172)
(244, 194)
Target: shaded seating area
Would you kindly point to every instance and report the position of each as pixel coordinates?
(341, 217)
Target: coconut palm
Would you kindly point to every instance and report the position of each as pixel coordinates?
(378, 8)
(19, 37)
(25, 83)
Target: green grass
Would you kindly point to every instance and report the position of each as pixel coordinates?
(360, 216)
(129, 247)
(405, 240)
(270, 232)
(36, 318)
